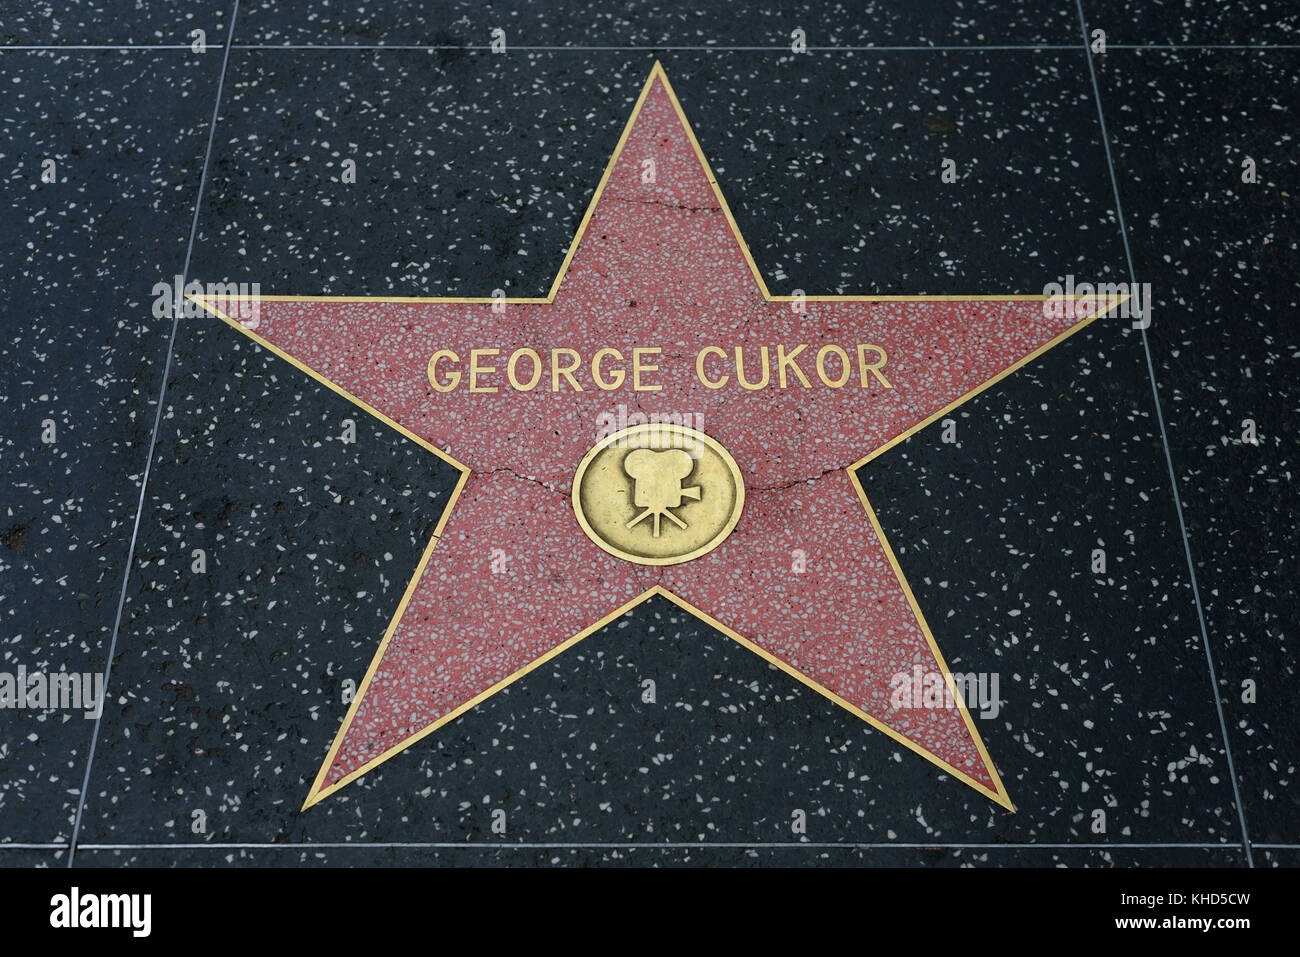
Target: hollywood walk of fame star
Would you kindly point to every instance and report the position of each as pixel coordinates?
(659, 308)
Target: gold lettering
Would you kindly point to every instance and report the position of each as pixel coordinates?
(567, 372)
(846, 369)
(453, 378)
(740, 369)
(638, 368)
(476, 370)
(619, 374)
(783, 360)
(874, 369)
(537, 369)
(699, 368)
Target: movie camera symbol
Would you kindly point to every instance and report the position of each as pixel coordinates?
(658, 477)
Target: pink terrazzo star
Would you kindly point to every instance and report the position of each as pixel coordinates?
(806, 579)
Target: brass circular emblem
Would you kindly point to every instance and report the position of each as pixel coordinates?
(658, 494)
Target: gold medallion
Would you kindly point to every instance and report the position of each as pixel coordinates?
(658, 494)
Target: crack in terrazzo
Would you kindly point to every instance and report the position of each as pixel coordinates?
(659, 202)
(488, 473)
(799, 481)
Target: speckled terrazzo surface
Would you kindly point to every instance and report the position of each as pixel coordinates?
(228, 684)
